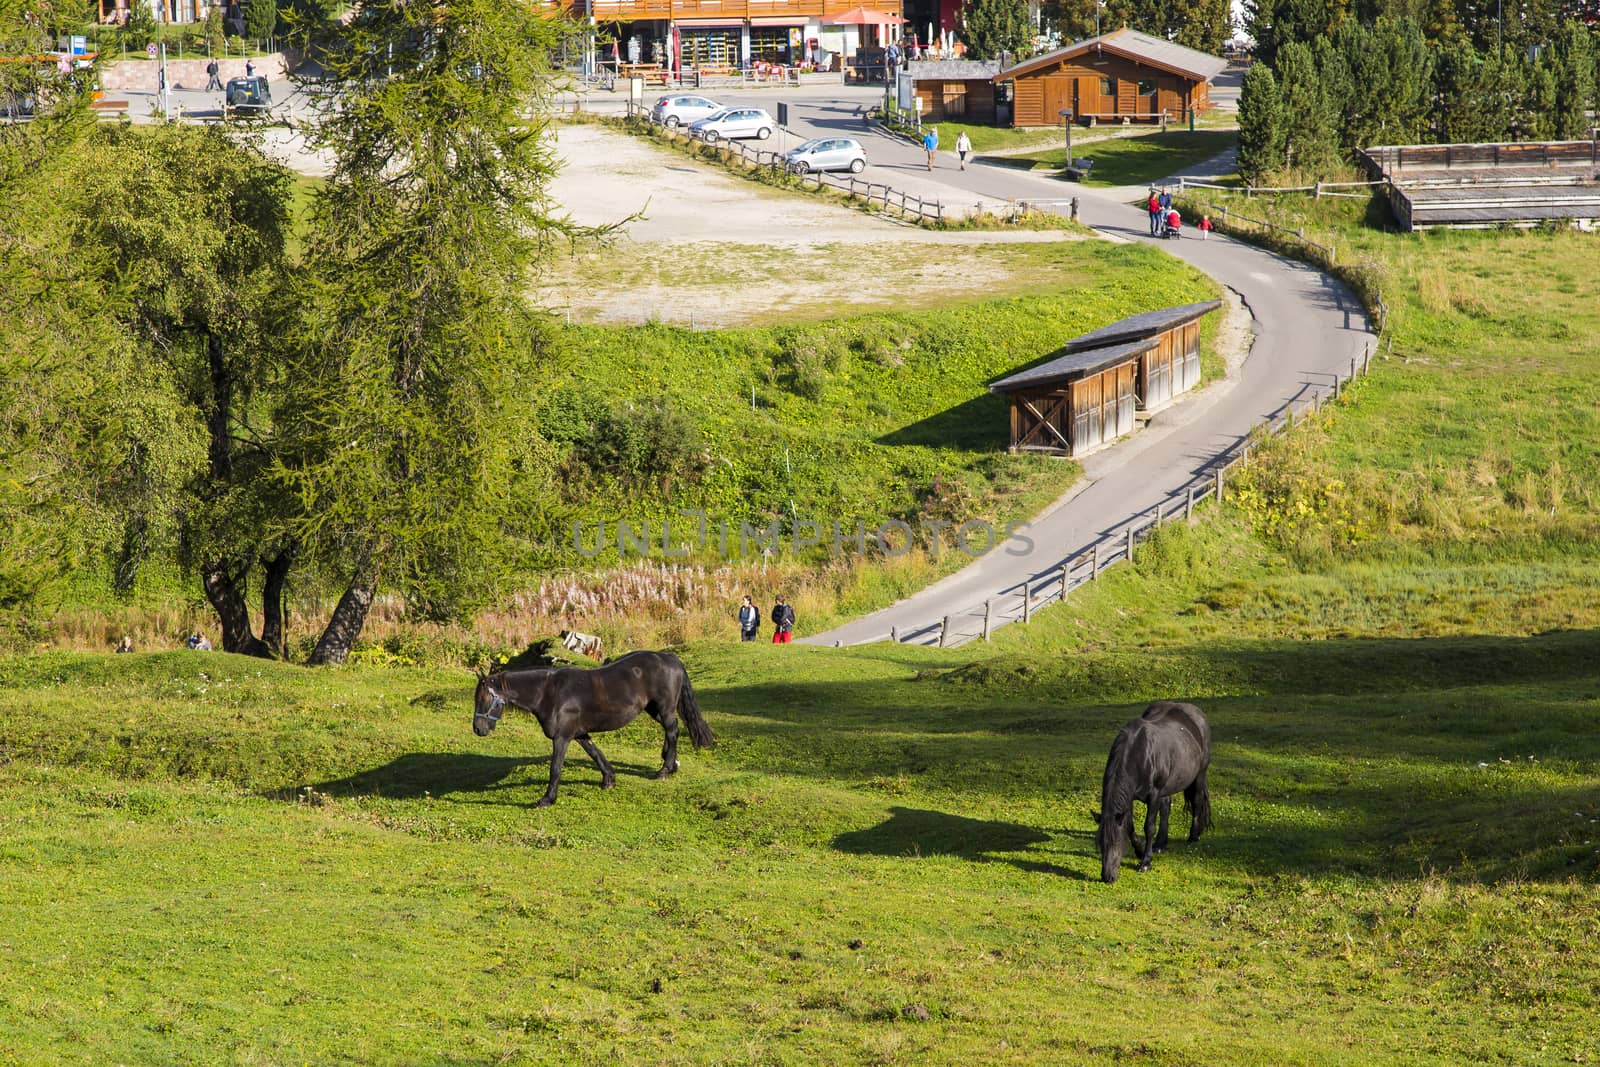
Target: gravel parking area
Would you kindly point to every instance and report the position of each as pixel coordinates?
(710, 249)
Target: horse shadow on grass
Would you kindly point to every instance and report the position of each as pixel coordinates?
(919, 832)
(437, 774)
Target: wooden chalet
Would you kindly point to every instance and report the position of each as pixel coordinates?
(1121, 76)
(1091, 391)
(955, 90)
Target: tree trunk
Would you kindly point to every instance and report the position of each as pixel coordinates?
(274, 604)
(225, 590)
(349, 615)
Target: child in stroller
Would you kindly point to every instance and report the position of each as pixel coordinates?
(1172, 225)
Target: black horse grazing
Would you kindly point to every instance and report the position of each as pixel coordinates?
(571, 703)
(1166, 749)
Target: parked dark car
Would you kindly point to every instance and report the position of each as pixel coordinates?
(249, 95)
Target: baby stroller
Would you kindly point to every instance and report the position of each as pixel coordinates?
(1172, 225)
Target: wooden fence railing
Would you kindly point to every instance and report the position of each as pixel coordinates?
(909, 205)
(1055, 585)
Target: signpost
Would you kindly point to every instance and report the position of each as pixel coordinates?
(1066, 122)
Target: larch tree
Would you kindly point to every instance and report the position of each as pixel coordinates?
(414, 353)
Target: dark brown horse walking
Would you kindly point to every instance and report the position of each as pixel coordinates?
(571, 703)
(1163, 751)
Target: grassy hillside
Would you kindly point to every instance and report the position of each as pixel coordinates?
(858, 419)
(887, 858)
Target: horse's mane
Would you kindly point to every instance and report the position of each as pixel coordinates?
(1116, 788)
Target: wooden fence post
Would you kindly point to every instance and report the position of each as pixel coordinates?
(1366, 358)
(1316, 402)
(1188, 506)
(1066, 580)
(1130, 542)
(988, 611)
(1336, 386)
(894, 635)
(1352, 368)
(1219, 485)
(1094, 564)
(944, 630)
(1027, 604)
(1158, 514)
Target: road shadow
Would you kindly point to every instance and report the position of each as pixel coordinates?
(920, 832)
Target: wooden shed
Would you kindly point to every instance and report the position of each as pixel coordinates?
(1123, 75)
(1172, 365)
(1089, 393)
(1073, 403)
(954, 90)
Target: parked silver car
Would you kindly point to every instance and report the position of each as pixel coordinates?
(829, 153)
(734, 123)
(672, 110)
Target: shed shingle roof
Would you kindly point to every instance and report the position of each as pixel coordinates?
(1073, 365)
(950, 70)
(1146, 324)
(1134, 45)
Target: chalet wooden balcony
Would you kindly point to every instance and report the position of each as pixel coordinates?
(637, 10)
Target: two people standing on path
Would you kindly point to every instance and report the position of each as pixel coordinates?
(930, 143)
(782, 621)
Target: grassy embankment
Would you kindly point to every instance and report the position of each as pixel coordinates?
(887, 858)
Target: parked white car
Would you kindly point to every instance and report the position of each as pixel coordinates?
(829, 153)
(672, 110)
(735, 123)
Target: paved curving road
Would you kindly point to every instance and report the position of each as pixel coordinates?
(1307, 328)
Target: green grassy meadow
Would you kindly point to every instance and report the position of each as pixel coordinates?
(1393, 626)
(886, 859)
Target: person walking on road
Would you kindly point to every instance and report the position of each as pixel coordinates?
(749, 620)
(1205, 227)
(930, 143)
(1155, 213)
(783, 621)
(963, 147)
(215, 84)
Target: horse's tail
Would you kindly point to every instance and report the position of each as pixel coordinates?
(1198, 801)
(689, 708)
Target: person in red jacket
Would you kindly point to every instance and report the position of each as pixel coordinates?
(1155, 213)
(1205, 226)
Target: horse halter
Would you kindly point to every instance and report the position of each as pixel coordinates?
(497, 703)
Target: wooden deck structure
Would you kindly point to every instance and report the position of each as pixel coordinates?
(1092, 390)
(1480, 185)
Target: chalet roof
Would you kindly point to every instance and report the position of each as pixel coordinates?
(1130, 44)
(950, 70)
(1072, 365)
(1144, 325)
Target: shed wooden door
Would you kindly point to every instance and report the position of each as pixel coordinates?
(1188, 359)
(1125, 403)
(1157, 385)
(1086, 427)
(1057, 96)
